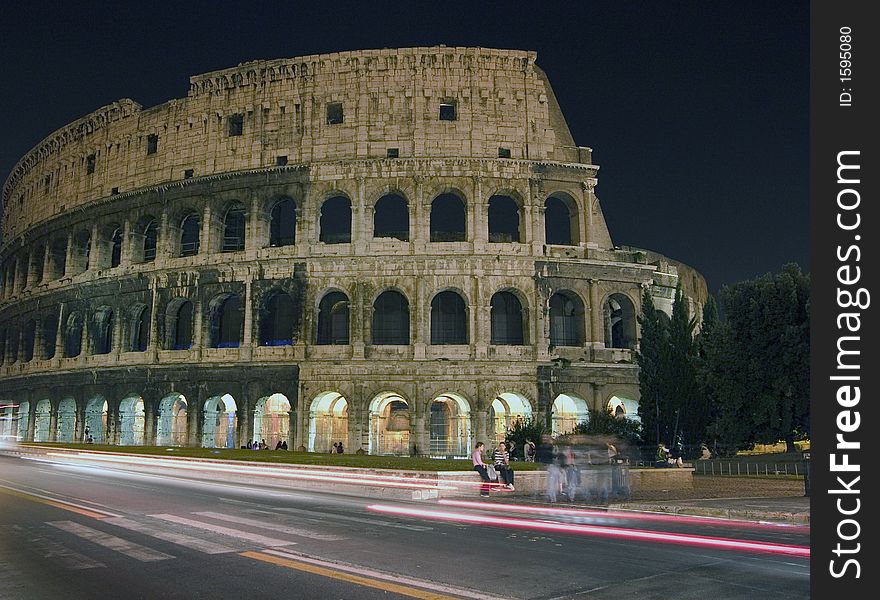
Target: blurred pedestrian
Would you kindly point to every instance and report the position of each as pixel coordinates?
(530, 451)
(480, 467)
(544, 454)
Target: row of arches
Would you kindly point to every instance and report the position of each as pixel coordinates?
(388, 421)
(105, 247)
(278, 319)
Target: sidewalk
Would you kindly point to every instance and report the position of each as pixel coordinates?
(793, 509)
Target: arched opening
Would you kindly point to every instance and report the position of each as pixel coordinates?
(568, 410)
(24, 410)
(282, 224)
(450, 426)
(272, 419)
(333, 320)
(179, 324)
(561, 226)
(390, 319)
(335, 225)
(391, 217)
(507, 320)
(102, 330)
(96, 421)
(73, 335)
(139, 328)
(28, 333)
(43, 416)
(566, 319)
(190, 233)
(23, 270)
(148, 230)
(448, 319)
(66, 425)
(328, 422)
(389, 425)
(504, 220)
(448, 219)
(50, 333)
(37, 264)
(506, 409)
(13, 343)
(620, 322)
(624, 408)
(219, 422)
(8, 427)
(277, 319)
(57, 259)
(131, 421)
(114, 242)
(82, 251)
(171, 426)
(227, 321)
(233, 229)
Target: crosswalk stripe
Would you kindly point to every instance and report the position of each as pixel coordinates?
(136, 551)
(62, 555)
(308, 533)
(169, 536)
(360, 520)
(243, 535)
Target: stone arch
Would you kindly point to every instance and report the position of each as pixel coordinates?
(24, 410)
(335, 220)
(226, 320)
(391, 319)
(73, 335)
(111, 241)
(333, 326)
(448, 218)
(38, 255)
(102, 330)
(96, 420)
(282, 222)
(219, 422)
(567, 319)
(234, 228)
(272, 419)
(57, 258)
(50, 333)
(505, 219)
(277, 318)
(138, 329)
(621, 404)
(8, 429)
(505, 409)
(391, 217)
(146, 238)
(81, 257)
(190, 234)
(179, 324)
(567, 411)
(42, 420)
(561, 220)
(131, 421)
(620, 321)
(389, 415)
(28, 339)
(449, 318)
(171, 430)
(65, 428)
(450, 425)
(507, 318)
(328, 421)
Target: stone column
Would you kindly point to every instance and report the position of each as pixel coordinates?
(68, 255)
(59, 334)
(163, 241)
(38, 341)
(79, 426)
(53, 422)
(128, 242)
(31, 419)
(151, 417)
(95, 251)
(538, 237)
(47, 254)
(117, 335)
(480, 210)
(153, 344)
(597, 328)
(587, 218)
(198, 341)
(205, 245)
(253, 226)
(113, 424)
(478, 424)
(193, 417)
(419, 224)
(247, 349)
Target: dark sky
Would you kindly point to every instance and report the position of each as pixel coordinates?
(697, 112)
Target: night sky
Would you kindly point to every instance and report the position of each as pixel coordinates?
(697, 112)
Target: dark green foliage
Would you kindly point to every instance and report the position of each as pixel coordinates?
(651, 357)
(602, 422)
(528, 429)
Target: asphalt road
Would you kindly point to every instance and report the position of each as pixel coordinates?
(74, 532)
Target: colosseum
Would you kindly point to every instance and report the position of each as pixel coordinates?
(401, 250)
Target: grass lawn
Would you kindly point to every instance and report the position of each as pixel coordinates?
(297, 458)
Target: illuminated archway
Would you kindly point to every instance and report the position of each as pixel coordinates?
(131, 421)
(623, 407)
(43, 416)
(450, 426)
(65, 429)
(219, 422)
(96, 420)
(328, 422)
(389, 424)
(505, 410)
(24, 410)
(568, 411)
(171, 429)
(272, 419)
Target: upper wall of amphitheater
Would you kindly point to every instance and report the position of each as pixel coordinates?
(435, 102)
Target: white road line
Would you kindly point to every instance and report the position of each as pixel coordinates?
(361, 520)
(308, 533)
(62, 555)
(136, 551)
(243, 535)
(47, 495)
(169, 536)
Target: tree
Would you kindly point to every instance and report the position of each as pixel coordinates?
(651, 360)
(602, 422)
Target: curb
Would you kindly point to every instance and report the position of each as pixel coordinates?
(728, 513)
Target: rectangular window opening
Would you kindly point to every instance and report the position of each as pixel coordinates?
(447, 110)
(152, 143)
(90, 164)
(393, 153)
(187, 174)
(503, 152)
(280, 161)
(236, 124)
(334, 113)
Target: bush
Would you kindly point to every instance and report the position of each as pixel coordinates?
(522, 430)
(601, 422)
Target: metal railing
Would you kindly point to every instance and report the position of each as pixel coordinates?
(744, 469)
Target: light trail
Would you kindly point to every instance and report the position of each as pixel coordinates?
(621, 514)
(599, 531)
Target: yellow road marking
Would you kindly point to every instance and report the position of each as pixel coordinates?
(75, 509)
(357, 579)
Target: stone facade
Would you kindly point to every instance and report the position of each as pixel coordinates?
(400, 250)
